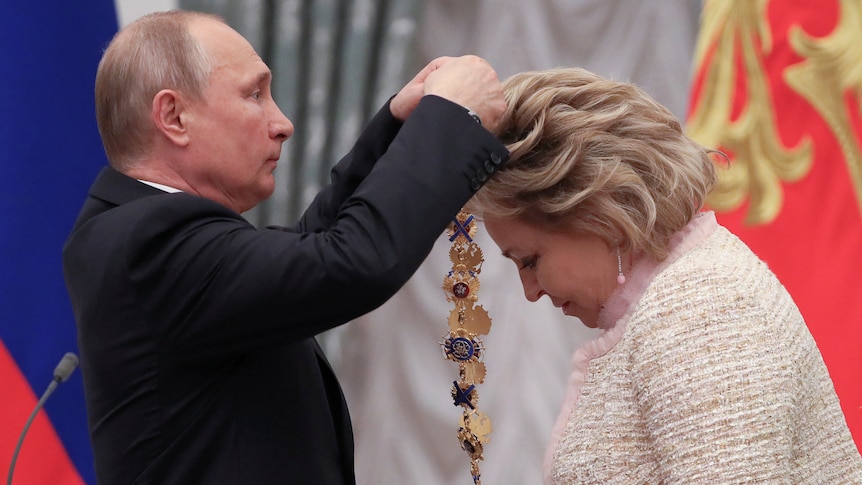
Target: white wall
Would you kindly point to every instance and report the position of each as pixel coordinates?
(129, 10)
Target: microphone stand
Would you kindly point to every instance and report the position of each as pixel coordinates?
(61, 373)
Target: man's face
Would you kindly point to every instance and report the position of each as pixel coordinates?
(236, 132)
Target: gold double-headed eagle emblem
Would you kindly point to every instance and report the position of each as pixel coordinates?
(462, 344)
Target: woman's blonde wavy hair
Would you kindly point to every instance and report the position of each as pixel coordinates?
(596, 156)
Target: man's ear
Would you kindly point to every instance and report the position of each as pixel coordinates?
(170, 116)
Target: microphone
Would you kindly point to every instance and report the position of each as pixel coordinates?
(61, 374)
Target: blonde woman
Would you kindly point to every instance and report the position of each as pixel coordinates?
(704, 370)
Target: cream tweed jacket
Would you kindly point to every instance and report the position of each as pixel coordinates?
(704, 372)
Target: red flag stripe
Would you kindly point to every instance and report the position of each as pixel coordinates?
(42, 459)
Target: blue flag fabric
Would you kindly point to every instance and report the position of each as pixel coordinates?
(50, 152)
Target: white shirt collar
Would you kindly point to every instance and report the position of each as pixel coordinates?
(166, 188)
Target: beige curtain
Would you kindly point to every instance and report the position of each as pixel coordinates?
(390, 365)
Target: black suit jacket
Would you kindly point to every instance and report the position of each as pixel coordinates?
(196, 329)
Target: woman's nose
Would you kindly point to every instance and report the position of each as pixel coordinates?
(532, 289)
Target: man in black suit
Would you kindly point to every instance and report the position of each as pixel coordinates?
(196, 329)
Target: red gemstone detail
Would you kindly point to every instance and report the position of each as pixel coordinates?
(461, 290)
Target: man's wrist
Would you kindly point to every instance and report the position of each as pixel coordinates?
(473, 115)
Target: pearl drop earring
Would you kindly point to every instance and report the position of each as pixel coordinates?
(621, 278)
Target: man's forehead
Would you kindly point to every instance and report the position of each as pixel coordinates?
(221, 39)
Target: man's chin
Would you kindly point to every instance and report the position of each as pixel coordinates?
(266, 190)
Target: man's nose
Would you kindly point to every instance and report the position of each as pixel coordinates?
(280, 127)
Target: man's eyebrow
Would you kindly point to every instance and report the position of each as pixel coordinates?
(263, 76)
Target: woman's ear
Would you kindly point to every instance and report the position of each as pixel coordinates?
(170, 117)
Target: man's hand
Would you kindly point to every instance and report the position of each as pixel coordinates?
(471, 82)
(468, 80)
(406, 100)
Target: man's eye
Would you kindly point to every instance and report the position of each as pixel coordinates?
(529, 263)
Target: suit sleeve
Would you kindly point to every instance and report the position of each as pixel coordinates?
(223, 286)
(350, 171)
